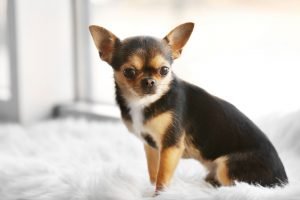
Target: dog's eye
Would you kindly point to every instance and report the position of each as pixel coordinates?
(164, 71)
(129, 73)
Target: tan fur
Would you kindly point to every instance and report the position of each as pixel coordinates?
(222, 171)
(152, 156)
(128, 124)
(130, 88)
(125, 86)
(158, 125)
(158, 61)
(169, 158)
(135, 61)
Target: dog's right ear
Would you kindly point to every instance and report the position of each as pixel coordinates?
(105, 41)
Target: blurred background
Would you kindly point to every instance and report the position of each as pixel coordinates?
(246, 52)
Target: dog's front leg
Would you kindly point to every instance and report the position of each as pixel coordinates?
(152, 155)
(169, 158)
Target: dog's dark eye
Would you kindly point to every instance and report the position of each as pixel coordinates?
(129, 73)
(164, 71)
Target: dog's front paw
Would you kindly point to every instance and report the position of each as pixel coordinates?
(156, 193)
(158, 190)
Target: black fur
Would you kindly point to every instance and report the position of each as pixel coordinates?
(122, 104)
(149, 140)
(218, 128)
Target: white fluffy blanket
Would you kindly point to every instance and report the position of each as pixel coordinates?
(82, 160)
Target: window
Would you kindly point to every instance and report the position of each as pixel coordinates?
(246, 52)
(4, 53)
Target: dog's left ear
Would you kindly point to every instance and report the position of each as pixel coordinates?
(178, 37)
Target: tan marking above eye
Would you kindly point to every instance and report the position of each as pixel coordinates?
(135, 61)
(159, 61)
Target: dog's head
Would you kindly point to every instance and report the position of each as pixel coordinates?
(142, 65)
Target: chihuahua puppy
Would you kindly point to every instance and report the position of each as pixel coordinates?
(176, 119)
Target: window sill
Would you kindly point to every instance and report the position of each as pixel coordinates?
(88, 110)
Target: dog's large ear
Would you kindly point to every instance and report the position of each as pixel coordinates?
(178, 37)
(105, 41)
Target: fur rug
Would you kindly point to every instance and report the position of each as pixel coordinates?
(85, 160)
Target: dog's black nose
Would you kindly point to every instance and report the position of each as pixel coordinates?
(148, 83)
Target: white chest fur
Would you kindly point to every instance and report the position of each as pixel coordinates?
(137, 117)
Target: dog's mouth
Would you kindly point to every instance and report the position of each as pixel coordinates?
(149, 91)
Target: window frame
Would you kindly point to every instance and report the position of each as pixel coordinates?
(9, 107)
(81, 52)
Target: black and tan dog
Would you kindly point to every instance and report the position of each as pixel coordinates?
(176, 119)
